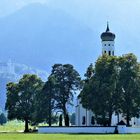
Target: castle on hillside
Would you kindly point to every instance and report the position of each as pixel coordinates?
(12, 72)
(7, 68)
(84, 117)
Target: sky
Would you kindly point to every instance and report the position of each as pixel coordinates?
(123, 16)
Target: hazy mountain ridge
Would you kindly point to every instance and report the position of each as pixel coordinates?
(39, 37)
(13, 74)
(43, 36)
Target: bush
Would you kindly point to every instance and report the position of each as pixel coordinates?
(3, 119)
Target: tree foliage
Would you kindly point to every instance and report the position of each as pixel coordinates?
(21, 98)
(113, 87)
(129, 78)
(98, 93)
(46, 103)
(67, 81)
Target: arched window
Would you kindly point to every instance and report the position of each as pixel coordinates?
(84, 120)
(104, 51)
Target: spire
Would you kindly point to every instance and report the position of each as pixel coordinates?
(107, 29)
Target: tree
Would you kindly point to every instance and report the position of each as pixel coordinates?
(99, 93)
(129, 79)
(60, 120)
(46, 103)
(89, 73)
(67, 120)
(21, 98)
(3, 119)
(92, 120)
(67, 81)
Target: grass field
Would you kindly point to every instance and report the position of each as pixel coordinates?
(9, 136)
(11, 129)
(12, 126)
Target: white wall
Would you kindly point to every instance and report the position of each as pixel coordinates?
(96, 130)
(80, 113)
(108, 46)
(132, 130)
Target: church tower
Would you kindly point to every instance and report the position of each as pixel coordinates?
(108, 42)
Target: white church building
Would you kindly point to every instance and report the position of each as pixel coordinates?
(84, 117)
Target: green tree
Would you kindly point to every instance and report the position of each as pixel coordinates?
(67, 120)
(99, 93)
(60, 120)
(67, 81)
(3, 119)
(46, 103)
(129, 78)
(89, 73)
(21, 98)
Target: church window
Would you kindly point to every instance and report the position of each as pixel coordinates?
(104, 51)
(105, 44)
(109, 52)
(108, 44)
(84, 120)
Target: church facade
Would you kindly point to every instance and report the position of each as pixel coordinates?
(85, 117)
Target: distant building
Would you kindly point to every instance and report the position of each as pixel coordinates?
(6, 68)
(84, 117)
(12, 72)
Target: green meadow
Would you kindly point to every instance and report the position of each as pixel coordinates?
(13, 130)
(13, 136)
(12, 126)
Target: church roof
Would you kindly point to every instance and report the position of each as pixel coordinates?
(107, 35)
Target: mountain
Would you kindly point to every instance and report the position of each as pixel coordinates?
(12, 72)
(39, 36)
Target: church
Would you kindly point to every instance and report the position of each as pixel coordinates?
(84, 117)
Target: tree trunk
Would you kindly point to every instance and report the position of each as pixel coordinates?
(26, 126)
(50, 114)
(110, 118)
(65, 113)
(50, 123)
(127, 119)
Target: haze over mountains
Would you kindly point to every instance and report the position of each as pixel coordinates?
(12, 72)
(66, 31)
(40, 36)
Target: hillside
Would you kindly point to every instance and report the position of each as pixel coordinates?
(40, 36)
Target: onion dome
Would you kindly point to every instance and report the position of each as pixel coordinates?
(107, 35)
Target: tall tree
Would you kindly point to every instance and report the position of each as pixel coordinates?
(46, 103)
(129, 79)
(67, 82)
(21, 98)
(89, 73)
(99, 93)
